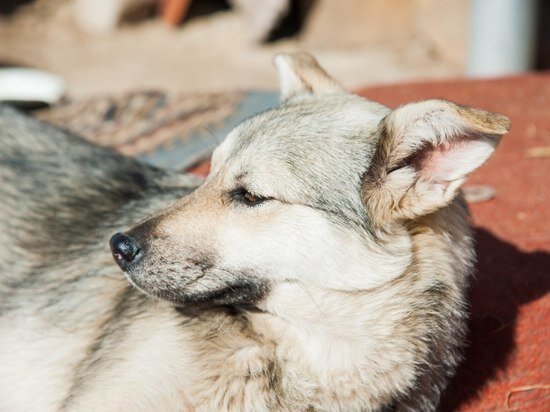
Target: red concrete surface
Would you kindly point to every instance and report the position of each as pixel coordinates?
(507, 363)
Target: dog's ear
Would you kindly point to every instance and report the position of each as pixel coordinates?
(301, 75)
(425, 153)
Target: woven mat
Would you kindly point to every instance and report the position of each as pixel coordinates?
(173, 131)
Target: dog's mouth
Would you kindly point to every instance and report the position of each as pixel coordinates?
(191, 281)
(243, 292)
(217, 287)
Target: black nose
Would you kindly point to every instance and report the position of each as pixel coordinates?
(124, 249)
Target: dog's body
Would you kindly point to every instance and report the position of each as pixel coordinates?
(323, 264)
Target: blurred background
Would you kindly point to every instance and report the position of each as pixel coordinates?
(111, 46)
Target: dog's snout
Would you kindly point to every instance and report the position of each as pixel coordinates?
(124, 249)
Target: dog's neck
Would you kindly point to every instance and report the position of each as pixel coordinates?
(321, 329)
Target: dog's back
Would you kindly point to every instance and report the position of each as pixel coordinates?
(59, 191)
(60, 199)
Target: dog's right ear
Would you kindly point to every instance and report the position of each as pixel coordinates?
(426, 151)
(301, 75)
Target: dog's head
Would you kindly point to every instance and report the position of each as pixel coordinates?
(315, 192)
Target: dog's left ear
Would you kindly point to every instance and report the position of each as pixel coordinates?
(301, 75)
(425, 153)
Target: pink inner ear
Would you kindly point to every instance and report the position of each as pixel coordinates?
(453, 160)
(441, 161)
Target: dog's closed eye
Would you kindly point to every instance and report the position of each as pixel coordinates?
(247, 198)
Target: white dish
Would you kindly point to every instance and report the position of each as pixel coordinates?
(30, 85)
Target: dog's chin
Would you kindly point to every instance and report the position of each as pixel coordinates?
(240, 291)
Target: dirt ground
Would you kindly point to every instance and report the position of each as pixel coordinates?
(207, 53)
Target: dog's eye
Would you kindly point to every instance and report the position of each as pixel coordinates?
(245, 197)
(250, 198)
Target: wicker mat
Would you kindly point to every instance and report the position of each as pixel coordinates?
(173, 131)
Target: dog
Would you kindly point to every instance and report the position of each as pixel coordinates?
(323, 264)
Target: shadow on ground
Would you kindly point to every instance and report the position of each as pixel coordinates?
(506, 279)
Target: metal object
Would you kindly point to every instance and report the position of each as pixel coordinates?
(502, 37)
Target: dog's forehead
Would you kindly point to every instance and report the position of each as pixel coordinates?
(312, 152)
(319, 130)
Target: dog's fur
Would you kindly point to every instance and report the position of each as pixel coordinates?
(322, 265)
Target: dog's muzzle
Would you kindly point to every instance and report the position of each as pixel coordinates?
(125, 250)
